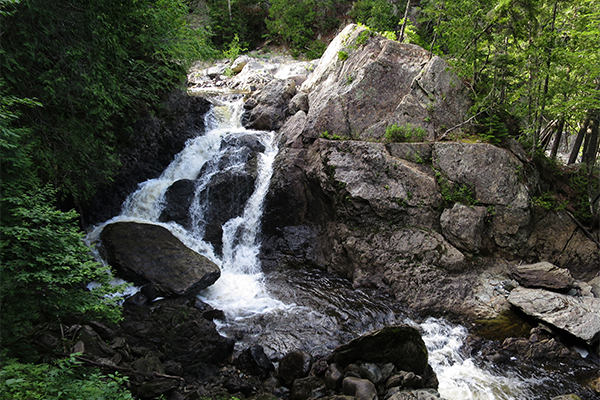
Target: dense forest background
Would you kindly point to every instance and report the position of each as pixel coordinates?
(74, 76)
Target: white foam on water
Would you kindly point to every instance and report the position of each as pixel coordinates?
(458, 375)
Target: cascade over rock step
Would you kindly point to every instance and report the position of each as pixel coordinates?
(146, 253)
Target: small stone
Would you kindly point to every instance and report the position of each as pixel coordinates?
(387, 370)
(294, 365)
(371, 372)
(309, 387)
(333, 377)
(361, 389)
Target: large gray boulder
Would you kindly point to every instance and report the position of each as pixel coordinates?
(579, 316)
(543, 275)
(146, 253)
(492, 172)
(463, 226)
(381, 82)
(400, 345)
(267, 109)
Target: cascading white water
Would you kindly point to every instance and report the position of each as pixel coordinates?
(459, 377)
(241, 291)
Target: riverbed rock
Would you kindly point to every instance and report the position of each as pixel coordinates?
(268, 108)
(176, 329)
(309, 387)
(294, 365)
(400, 345)
(146, 253)
(543, 275)
(361, 389)
(333, 377)
(421, 394)
(178, 199)
(579, 316)
(255, 362)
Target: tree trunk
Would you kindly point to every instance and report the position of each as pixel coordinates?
(557, 137)
(401, 38)
(590, 149)
(578, 141)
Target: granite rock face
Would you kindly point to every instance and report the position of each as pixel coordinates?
(543, 275)
(579, 316)
(408, 217)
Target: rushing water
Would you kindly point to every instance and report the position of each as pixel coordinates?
(297, 309)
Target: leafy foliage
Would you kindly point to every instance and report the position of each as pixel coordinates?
(64, 380)
(380, 15)
(298, 23)
(455, 192)
(45, 269)
(404, 133)
(244, 18)
(93, 65)
(534, 60)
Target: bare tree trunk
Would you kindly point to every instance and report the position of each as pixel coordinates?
(578, 141)
(229, 6)
(557, 137)
(538, 126)
(590, 149)
(401, 38)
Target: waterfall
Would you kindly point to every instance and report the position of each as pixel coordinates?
(296, 309)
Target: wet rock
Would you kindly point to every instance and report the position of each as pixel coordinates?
(400, 345)
(463, 226)
(333, 377)
(176, 329)
(543, 275)
(421, 394)
(537, 350)
(370, 372)
(294, 365)
(309, 387)
(235, 384)
(156, 138)
(178, 199)
(578, 316)
(271, 107)
(244, 140)
(146, 253)
(361, 389)
(231, 182)
(255, 362)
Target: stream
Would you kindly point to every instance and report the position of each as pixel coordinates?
(308, 310)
